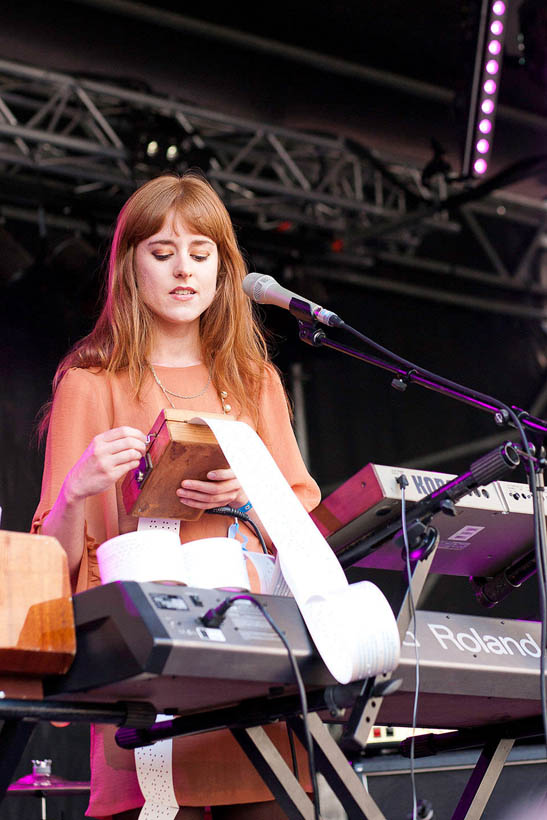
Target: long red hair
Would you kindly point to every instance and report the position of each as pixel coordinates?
(233, 345)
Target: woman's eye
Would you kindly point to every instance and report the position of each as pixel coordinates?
(199, 258)
(162, 256)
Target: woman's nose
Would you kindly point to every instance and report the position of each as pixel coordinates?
(182, 270)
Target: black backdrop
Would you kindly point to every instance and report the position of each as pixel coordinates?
(353, 415)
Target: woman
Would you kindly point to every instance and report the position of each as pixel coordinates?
(176, 330)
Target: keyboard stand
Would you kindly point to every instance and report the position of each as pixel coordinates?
(496, 741)
(483, 779)
(367, 706)
(330, 761)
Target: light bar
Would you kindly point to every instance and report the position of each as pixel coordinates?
(484, 94)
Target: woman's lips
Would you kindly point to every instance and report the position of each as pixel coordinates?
(182, 293)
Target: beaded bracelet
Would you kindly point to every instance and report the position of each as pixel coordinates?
(245, 508)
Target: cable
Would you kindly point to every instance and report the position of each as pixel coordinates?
(234, 513)
(214, 617)
(403, 482)
(539, 510)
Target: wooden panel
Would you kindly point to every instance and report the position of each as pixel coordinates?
(37, 632)
(355, 496)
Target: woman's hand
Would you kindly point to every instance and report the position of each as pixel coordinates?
(109, 457)
(222, 488)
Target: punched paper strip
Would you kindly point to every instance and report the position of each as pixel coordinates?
(154, 764)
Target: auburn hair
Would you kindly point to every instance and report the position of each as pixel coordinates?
(233, 345)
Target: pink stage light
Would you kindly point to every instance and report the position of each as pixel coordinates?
(482, 110)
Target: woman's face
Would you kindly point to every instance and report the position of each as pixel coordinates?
(176, 272)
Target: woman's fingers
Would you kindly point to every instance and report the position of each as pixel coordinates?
(208, 502)
(206, 494)
(221, 475)
(121, 439)
(118, 446)
(109, 456)
(125, 456)
(122, 432)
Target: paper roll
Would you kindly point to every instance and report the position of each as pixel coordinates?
(215, 563)
(158, 555)
(143, 555)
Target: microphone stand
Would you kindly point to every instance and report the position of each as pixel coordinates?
(405, 373)
(311, 334)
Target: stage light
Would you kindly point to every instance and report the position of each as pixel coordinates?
(152, 148)
(172, 153)
(484, 92)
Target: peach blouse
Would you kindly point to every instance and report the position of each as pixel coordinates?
(209, 769)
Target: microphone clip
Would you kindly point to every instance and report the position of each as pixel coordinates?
(422, 539)
(310, 333)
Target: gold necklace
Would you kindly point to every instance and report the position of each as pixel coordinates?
(168, 393)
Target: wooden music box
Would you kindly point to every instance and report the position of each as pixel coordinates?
(178, 449)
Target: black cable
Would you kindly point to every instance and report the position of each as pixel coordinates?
(235, 513)
(214, 617)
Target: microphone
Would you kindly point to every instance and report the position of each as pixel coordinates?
(265, 290)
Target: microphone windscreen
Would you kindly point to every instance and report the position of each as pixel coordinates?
(249, 282)
(256, 284)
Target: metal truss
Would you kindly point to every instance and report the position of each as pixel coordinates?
(85, 139)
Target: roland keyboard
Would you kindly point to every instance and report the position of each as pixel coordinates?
(145, 641)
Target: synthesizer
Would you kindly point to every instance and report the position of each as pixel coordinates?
(493, 525)
(146, 642)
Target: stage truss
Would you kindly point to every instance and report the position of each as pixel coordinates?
(74, 144)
